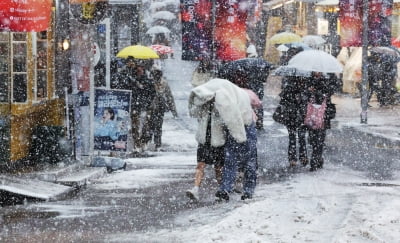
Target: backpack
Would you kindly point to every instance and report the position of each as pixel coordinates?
(315, 115)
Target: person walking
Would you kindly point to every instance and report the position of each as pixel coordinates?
(207, 154)
(291, 112)
(162, 102)
(231, 125)
(143, 93)
(319, 91)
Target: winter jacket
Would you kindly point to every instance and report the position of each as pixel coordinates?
(232, 110)
(163, 100)
(298, 91)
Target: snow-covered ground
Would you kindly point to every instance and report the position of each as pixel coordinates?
(335, 204)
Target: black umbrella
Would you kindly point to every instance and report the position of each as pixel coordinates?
(256, 69)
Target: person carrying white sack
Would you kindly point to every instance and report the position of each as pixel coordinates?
(232, 126)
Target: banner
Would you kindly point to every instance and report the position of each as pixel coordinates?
(350, 16)
(196, 17)
(25, 15)
(379, 24)
(230, 29)
(112, 119)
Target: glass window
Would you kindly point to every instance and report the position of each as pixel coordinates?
(19, 68)
(19, 88)
(41, 84)
(4, 67)
(3, 87)
(41, 65)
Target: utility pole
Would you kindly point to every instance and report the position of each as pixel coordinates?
(364, 80)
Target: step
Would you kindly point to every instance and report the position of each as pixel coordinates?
(33, 188)
(81, 177)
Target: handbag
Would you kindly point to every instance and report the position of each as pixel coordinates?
(279, 115)
(315, 115)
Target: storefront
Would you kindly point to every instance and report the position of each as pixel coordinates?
(27, 87)
(287, 15)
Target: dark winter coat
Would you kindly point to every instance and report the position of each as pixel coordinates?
(294, 97)
(322, 88)
(291, 109)
(163, 100)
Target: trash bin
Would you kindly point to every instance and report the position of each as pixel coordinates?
(49, 145)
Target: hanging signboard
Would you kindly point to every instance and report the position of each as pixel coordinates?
(230, 29)
(379, 24)
(228, 32)
(350, 16)
(25, 15)
(196, 20)
(112, 119)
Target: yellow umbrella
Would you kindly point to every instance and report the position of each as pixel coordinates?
(138, 51)
(284, 37)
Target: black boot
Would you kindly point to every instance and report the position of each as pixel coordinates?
(221, 196)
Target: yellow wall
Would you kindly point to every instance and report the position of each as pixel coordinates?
(26, 118)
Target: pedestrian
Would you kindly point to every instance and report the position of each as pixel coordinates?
(207, 154)
(291, 112)
(231, 126)
(382, 73)
(143, 93)
(320, 88)
(163, 102)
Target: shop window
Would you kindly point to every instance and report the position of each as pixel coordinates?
(4, 70)
(19, 88)
(41, 65)
(19, 67)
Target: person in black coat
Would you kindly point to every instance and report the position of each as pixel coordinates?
(291, 112)
(319, 89)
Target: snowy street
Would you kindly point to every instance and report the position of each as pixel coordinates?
(355, 198)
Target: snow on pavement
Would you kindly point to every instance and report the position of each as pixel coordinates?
(333, 205)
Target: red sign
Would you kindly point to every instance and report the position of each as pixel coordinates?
(25, 15)
(350, 15)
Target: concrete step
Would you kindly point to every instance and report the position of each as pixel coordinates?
(81, 177)
(31, 188)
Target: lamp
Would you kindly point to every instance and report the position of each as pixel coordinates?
(65, 45)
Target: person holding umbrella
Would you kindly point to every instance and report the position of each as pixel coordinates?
(143, 93)
(291, 112)
(320, 88)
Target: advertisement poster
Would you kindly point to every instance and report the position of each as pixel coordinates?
(350, 16)
(112, 119)
(196, 29)
(379, 24)
(230, 29)
(232, 18)
(25, 15)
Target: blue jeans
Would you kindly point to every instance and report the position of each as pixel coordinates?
(243, 155)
